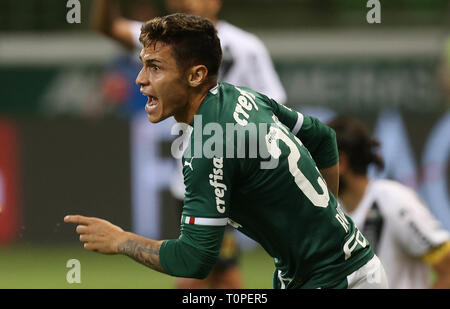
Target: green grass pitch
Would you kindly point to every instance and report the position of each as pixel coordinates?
(42, 267)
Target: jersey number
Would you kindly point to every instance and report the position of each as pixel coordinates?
(279, 133)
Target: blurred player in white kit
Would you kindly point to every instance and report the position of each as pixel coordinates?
(400, 228)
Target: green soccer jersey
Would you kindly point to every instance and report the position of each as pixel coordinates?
(253, 164)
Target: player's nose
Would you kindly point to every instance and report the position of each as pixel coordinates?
(142, 79)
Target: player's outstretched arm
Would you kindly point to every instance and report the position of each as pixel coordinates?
(101, 236)
(106, 19)
(142, 250)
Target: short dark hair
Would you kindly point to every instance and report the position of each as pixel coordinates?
(193, 39)
(354, 139)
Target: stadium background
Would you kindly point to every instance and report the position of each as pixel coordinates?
(65, 130)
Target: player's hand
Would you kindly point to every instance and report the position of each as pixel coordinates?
(97, 234)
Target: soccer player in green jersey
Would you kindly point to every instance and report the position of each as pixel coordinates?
(268, 171)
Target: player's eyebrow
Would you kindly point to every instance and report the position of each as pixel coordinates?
(149, 61)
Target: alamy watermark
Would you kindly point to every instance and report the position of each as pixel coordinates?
(74, 274)
(239, 138)
(74, 14)
(231, 140)
(374, 14)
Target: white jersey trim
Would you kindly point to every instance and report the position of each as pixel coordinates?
(215, 89)
(299, 124)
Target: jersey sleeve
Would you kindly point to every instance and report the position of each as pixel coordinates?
(416, 229)
(194, 253)
(318, 138)
(204, 217)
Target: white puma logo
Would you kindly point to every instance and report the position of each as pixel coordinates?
(189, 164)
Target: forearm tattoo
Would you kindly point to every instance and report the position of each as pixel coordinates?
(144, 253)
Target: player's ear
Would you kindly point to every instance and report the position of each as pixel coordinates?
(197, 75)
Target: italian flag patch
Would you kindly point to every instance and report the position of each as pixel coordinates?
(204, 221)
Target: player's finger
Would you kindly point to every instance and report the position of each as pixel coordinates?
(86, 238)
(77, 219)
(90, 246)
(82, 229)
